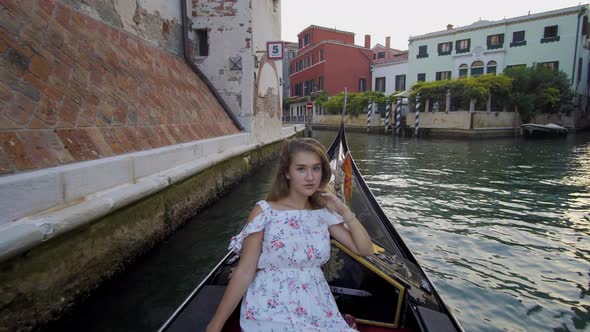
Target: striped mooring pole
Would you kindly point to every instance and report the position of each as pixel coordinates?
(417, 124)
(369, 112)
(387, 108)
(398, 116)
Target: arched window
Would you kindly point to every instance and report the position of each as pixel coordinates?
(463, 70)
(477, 68)
(491, 67)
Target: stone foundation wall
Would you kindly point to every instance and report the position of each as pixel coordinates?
(42, 283)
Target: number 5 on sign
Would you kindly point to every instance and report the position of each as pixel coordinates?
(274, 50)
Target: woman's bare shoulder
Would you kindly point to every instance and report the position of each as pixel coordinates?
(256, 211)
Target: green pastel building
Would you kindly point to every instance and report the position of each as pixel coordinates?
(556, 39)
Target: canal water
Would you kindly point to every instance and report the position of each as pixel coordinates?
(502, 227)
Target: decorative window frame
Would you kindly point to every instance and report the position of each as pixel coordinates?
(492, 64)
(463, 70)
(481, 67)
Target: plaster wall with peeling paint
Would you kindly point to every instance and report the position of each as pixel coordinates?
(237, 33)
(236, 64)
(155, 21)
(266, 26)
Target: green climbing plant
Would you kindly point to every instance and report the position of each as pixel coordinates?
(357, 102)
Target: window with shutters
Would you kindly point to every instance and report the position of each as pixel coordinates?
(495, 41)
(516, 66)
(422, 52)
(443, 75)
(380, 84)
(518, 39)
(445, 48)
(550, 34)
(463, 46)
(400, 82)
(554, 65)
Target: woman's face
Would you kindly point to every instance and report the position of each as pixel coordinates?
(305, 173)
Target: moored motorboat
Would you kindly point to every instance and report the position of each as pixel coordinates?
(387, 291)
(539, 130)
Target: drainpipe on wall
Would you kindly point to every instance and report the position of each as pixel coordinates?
(205, 79)
(576, 48)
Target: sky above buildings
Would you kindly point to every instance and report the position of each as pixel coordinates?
(400, 19)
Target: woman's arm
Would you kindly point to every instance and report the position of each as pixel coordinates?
(241, 278)
(355, 237)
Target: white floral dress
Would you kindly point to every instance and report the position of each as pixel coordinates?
(289, 291)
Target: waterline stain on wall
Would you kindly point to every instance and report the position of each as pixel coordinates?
(43, 283)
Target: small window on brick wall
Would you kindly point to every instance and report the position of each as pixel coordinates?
(362, 84)
(202, 42)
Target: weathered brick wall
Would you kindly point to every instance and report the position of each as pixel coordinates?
(73, 88)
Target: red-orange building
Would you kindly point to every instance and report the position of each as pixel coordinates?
(329, 60)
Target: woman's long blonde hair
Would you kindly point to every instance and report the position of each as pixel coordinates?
(279, 187)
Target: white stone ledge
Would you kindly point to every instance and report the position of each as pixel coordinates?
(40, 205)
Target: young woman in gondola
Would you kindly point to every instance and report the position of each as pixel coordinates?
(285, 243)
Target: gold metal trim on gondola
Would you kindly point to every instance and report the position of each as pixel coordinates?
(387, 278)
